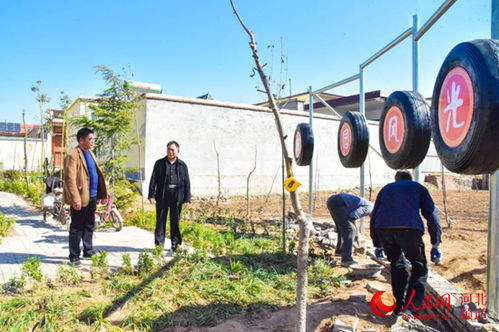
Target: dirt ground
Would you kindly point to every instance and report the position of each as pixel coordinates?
(464, 246)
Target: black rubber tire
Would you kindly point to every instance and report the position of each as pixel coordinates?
(45, 214)
(476, 151)
(415, 135)
(116, 219)
(303, 144)
(358, 146)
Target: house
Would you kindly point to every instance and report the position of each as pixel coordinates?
(57, 133)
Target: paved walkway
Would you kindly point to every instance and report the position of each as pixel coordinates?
(49, 241)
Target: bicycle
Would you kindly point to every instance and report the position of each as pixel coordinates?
(53, 202)
(110, 213)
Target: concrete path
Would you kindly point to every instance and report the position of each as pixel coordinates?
(49, 241)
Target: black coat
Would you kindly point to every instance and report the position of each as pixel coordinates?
(158, 182)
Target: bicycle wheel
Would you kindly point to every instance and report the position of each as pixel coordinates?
(45, 214)
(116, 219)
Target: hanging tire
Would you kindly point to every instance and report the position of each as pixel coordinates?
(404, 129)
(116, 219)
(353, 139)
(465, 108)
(303, 146)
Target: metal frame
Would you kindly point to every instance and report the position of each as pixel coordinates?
(416, 34)
(492, 244)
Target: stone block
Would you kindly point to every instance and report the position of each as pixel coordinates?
(375, 287)
(358, 298)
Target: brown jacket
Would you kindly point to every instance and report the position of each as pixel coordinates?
(77, 181)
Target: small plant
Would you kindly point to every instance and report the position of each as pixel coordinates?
(95, 314)
(146, 262)
(145, 220)
(126, 265)
(6, 225)
(158, 250)
(320, 274)
(68, 275)
(99, 264)
(31, 268)
(14, 285)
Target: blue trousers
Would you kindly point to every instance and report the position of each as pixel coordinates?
(82, 229)
(401, 244)
(344, 226)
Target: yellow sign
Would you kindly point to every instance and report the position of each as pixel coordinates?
(291, 184)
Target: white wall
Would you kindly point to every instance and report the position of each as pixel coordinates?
(12, 152)
(237, 130)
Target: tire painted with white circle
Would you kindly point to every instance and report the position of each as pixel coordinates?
(404, 129)
(353, 139)
(303, 144)
(465, 108)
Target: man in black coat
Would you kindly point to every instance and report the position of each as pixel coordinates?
(169, 188)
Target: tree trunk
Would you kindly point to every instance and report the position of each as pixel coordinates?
(304, 223)
(25, 152)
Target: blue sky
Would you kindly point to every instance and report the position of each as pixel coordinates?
(195, 47)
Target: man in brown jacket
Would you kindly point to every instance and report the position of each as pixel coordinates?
(83, 186)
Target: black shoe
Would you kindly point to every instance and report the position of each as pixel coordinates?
(75, 261)
(90, 254)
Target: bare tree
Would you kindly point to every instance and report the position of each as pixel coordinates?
(247, 195)
(272, 184)
(42, 99)
(25, 151)
(218, 174)
(304, 223)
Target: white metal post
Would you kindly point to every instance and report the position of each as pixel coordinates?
(362, 110)
(311, 166)
(493, 245)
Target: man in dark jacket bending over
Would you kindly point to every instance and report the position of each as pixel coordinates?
(345, 209)
(169, 188)
(396, 225)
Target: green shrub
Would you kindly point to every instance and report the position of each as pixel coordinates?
(146, 263)
(11, 175)
(145, 220)
(124, 194)
(6, 225)
(14, 285)
(17, 185)
(32, 268)
(99, 265)
(68, 275)
(321, 275)
(126, 266)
